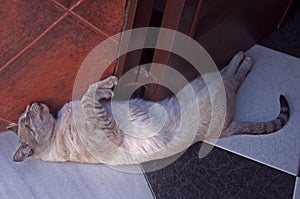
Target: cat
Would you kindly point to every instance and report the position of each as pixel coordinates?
(41, 136)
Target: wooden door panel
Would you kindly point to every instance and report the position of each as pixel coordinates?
(222, 28)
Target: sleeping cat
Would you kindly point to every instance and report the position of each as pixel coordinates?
(85, 131)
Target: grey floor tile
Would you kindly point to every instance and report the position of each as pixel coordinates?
(297, 189)
(38, 179)
(220, 174)
(273, 74)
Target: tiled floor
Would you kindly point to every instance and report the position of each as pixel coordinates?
(53, 36)
(39, 42)
(42, 41)
(275, 73)
(37, 179)
(247, 166)
(220, 174)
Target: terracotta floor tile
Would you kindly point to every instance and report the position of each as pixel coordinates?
(107, 15)
(67, 3)
(21, 22)
(46, 71)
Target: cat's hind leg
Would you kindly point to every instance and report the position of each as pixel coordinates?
(233, 82)
(233, 66)
(236, 73)
(244, 69)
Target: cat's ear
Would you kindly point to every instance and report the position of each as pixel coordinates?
(13, 127)
(23, 152)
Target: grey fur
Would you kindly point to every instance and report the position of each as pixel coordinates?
(43, 137)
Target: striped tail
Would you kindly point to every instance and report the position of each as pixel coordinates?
(255, 128)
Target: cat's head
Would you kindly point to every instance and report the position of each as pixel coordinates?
(34, 129)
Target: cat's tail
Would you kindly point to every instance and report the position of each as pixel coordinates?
(254, 128)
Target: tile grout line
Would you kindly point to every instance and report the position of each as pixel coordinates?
(33, 42)
(84, 21)
(148, 182)
(295, 188)
(59, 5)
(36, 40)
(250, 158)
(43, 33)
(64, 7)
(76, 4)
(93, 27)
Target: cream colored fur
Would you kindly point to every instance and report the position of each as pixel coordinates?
(85, 131)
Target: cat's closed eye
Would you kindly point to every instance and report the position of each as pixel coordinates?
(29, 128)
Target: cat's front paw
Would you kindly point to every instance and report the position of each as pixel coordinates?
(109, 82)
(104, 93)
